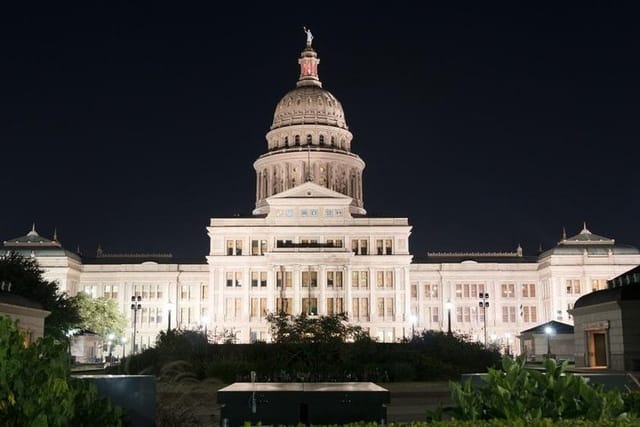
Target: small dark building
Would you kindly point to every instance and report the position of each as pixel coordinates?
(552, 338)
(607, 326)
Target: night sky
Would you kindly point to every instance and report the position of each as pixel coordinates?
(130, 126)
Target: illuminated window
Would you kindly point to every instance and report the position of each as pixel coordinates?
(310, 306)
(528, 290)
(309, 139)
(573, 286)
(508, 290)
(287, 279)
(321, 139)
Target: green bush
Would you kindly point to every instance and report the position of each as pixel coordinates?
(36, 390)
(632, 403)
(516, 393)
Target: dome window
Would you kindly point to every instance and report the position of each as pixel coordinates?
(321, 139)
(297, 139)
(309, 139)
(333, 141)
(286, 141)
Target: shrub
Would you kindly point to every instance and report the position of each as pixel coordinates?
(36, 390)
(516, 393)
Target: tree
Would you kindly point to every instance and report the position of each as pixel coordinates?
(100, 315)
(36, 388)
(313, 329)
(25, 277)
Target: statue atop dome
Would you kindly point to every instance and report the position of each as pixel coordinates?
(309, 35)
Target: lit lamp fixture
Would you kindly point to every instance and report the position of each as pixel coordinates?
(123, 341)
(548, 330)
(449, 306)
(507, 336)
(110, 338)
(169, 306)
(414, 319)
(135, 306)
(205, 321)
(484, 304)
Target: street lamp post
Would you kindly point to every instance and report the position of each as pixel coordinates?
(110, 346)
(135, 306)
(414, 319)
(548, 330)
(508, 338)
(123, 341)
(205, 320)
(484, 296)
(448, 305)
(169, 307)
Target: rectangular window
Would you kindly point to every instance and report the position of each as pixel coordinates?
(414, 291)
(238, 279)
(204, 291)
(355, 279)
(388, 279)
(229, 278)
(184, 293)
(598, 284)
(435, 314)
(459, 314)
(114, 292)
(184, 316)
(339, 305)
(255, 247)
(388, 247)
(508, 290)
(354, 246)
(158, 291)
(258, 307)
(287, 279)
(573, 286)
(529, 314)
(309, 278)
(364, 307)
(459, 292)
(229, 247)
(263, 279)
(238, 247)
(107, 291)
(364, 279)
(355, 307)
(380, 306)
(145, 292)
(330, 278)
(330, 307)
(380, 279)
(284, 305)
(379, 246)
(152, 291)
(363, 247)
(255, 277)
(389, 307)
(508, 314)
(310, 306)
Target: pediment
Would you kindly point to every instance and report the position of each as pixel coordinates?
(309, 190)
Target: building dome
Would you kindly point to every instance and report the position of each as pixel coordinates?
(309, 141)
(311, 105)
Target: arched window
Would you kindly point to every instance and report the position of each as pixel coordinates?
(308, 139)
(286, 141)
(321, 139)
(297, 140)
(342, 143)
(333, 141)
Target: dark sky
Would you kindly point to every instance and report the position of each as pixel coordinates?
(130, 126)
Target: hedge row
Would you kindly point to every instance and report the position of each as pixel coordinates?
(431, 356)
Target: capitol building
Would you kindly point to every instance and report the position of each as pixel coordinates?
(310, 247)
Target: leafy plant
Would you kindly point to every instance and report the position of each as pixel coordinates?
(35, 388)
(517, 393)
(26, 279)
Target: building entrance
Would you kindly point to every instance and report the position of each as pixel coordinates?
(597, 349)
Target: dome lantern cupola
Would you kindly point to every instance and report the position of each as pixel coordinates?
(309, 64)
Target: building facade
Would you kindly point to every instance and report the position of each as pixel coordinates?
(310, 247)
